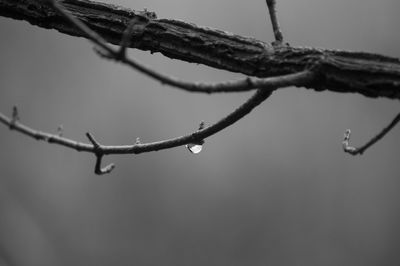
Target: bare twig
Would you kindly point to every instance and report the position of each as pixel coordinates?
(274, 21)
(101, 150)
(360, 150)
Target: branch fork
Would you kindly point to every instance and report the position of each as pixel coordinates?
(99, 152)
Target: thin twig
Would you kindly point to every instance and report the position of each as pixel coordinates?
(360, 150)
(297, 79)
(139, 147)
(101, 150)
(274, 21)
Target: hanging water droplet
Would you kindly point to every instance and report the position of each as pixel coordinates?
(194, 147)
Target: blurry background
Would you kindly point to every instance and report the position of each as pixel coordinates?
(274, 189)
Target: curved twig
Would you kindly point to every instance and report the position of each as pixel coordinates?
(297, 79)
(360, 150)
(101, 150)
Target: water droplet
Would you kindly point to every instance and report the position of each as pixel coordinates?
(194, 147)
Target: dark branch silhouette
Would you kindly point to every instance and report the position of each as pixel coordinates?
(371, 75)
(271, 67)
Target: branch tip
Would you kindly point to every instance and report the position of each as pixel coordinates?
(360, 150)
(346, 143)
(98, 170)
(96, 144)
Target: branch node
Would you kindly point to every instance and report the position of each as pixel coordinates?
(60, 130)
(96, 144)
(14, 117)
(201, 125)
(98, 151)
(126, 39)
(250, 82)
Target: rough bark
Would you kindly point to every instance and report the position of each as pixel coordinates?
(368, 74)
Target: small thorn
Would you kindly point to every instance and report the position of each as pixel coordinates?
(14, 117)
(137, 141)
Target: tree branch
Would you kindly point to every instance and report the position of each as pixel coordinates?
(101, 150)
(193, 140)
(138, 147)
(371, 75)
(297, 79)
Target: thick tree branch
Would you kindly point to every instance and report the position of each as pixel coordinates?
(371, 75)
